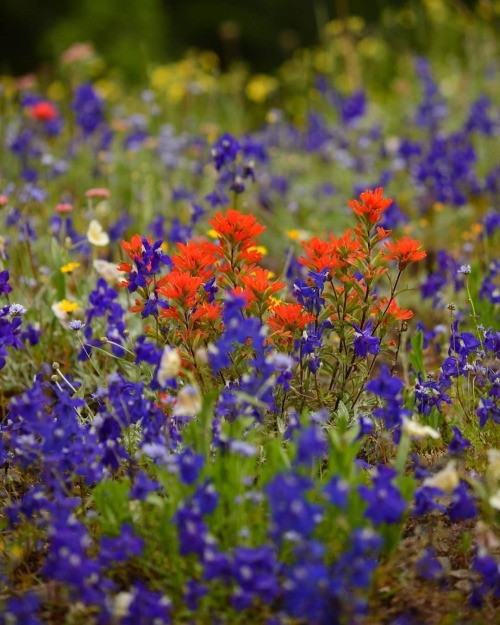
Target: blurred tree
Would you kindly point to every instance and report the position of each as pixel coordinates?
(259, 31)
(131, 33)
(21, 26)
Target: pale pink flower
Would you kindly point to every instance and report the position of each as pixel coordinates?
(98, 192)
(64, 207)
(77, 52)
(26, 82)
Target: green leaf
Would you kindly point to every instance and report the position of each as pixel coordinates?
(342, 417)
(417, 352)
(58, 278)
(111, 499)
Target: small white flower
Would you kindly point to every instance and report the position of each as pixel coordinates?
(188, 402)
(465, 269)
(495, 500)
(17, 310)
(76, 324)
(97, 235)
(170, 365)
(109, 271)
(416, 430)
(494, 463)
(446, 480)
(121, 603)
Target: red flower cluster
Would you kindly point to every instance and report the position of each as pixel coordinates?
(404, 251)
(43, 111)
(372, 205)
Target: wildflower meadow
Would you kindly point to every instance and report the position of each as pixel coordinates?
(249, 339)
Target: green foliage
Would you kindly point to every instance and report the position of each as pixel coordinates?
(417, 355)
(130, 35)
(111, 500)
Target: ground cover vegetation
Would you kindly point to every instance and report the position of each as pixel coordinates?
(249, 343)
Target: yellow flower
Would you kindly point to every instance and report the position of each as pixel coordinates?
(160, 77)
(16, 552)
(258, 248)
(56, 91)
(260, 87)
(63, 309)
(69, 267)
(176, 92)
(213, 234)
(66, 306)
(298, 235)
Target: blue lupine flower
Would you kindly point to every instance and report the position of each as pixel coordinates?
(487, 566)
(479, 119)
(489, 409)
(205, 498)
(364, 342)
(385, 503)
(120, 548)
(193, 592)
(290, 510)
(463, 504)
(255, 572)
(89, 108)
(225, 151)
(311, 444)
(142, 486)
(23, 610)
(5, 287)
(458, 443)
(191, 530)
(337, 492)
(147, 607)
(428, 567)
(190, 465)
(386, 385)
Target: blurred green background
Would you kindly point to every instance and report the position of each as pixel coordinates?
(133, 34)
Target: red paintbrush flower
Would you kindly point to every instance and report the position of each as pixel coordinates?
(236, 228)
(405, 251)
(181, 287)
(43, 111)
(319, 255)
(348, 249)
(134, 247)
(289, 317)
(198, 258)
(392, 312)
(372, 205)
(258, 286)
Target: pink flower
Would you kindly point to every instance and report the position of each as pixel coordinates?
(100, 193)
(80, 51)
(3, 200)
(26, 82)
(64, 207)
